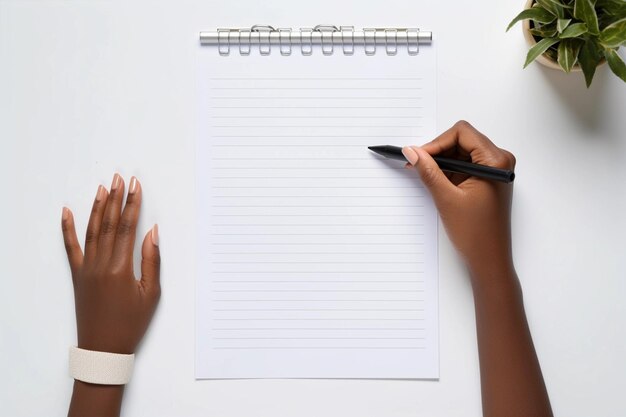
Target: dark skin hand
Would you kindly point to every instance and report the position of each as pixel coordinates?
(476, 214)
(113, 309)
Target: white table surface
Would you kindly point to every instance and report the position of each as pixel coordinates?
(91, 87)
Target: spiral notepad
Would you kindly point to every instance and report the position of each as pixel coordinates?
(316, 258)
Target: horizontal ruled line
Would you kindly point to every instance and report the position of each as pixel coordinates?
(308, 215)
(413, 271)
(318, 234)
(309, 168)
(318, 244)
(309, 319)
(403, 225)
(328, 177)
(316, 88)
(318, 328)
(316, 136)
(315, 187)
(317, 281)
(269, 145)
(313, 196)
(325, 300)
(310, 196)
(316, 262)
(315, 117)
(317, 78)
(309, 206)
(314, 98)
(400, 291)
(319, 348)
(239, 126)
(318, 253)
(316, 309)
(289, 158)
(317, 338)
(317, 107)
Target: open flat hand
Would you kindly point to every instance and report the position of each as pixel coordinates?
(113, 309)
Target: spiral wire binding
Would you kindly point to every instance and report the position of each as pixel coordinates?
(325, 36)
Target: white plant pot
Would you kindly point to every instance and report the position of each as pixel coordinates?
(542, 59)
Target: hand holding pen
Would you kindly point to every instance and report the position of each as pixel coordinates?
(475, 212)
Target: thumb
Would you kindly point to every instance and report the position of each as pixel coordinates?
(151, 260)
(432, 176)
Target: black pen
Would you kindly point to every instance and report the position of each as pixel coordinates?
(451, 165)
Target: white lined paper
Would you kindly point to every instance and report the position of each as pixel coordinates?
(316, 258)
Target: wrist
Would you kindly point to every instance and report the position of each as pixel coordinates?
(103, 344)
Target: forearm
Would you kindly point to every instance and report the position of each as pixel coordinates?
(511, 379)
(95, 400)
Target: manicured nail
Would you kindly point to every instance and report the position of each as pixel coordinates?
(154, 234)
(133, 186)
(66, 213)
(410, 155)
(100, 193)
(116, 182)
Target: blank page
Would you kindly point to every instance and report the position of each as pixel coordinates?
(316, 257)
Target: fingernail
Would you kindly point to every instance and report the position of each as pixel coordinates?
(116, 182)
(133, 186)
(66, 213)
(100, 193)
(410, 155)
(154, 234)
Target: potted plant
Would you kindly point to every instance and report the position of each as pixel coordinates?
(575, 34)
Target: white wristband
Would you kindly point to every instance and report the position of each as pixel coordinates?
(100, 367)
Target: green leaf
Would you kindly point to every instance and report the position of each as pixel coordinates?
(584, 10)
(539, 49)
(551, 54)
(553, 7)
(534, 13)
(568, 53)
(588, 58)
(561, 24)
(574, 31)
(543, 32)
(614, 35)
(615, 63)
(615, 8)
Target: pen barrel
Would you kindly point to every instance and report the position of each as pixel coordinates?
(476, 170)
